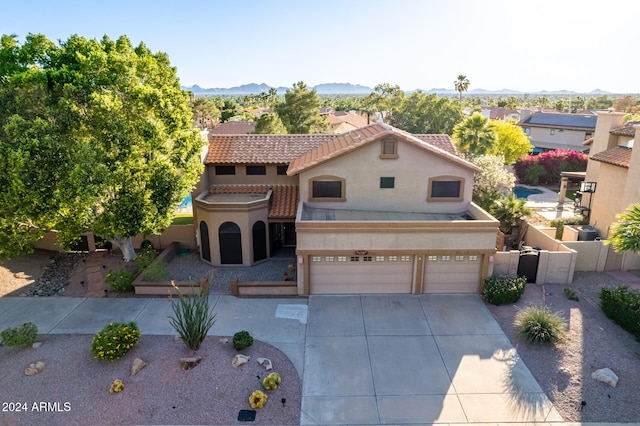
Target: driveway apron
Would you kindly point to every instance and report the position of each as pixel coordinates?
(391, 359)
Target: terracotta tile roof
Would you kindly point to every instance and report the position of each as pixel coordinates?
(346, 142)
(443, 142)
(282, 205)
(626, 130)
(338, 117)
(261, 149)
(618, 156)
(234, 128)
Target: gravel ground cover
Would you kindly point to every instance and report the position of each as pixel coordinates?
(593, 342)
(74, 387)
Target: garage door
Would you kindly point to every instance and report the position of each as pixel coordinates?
(451, 274)
(360, 274)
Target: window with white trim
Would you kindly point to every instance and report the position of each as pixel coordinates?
(459, 258)
(473, 258)
(379, 258)
(405, 258)
(446, 258)
(316, 258)
(328, 258)
(342, 258)
(393, 258)
(432, 258)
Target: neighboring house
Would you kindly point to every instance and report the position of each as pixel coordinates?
(342, 121)
(549, 131)
(614, 165)
(234, 128)
(374, 210)
(504, 113)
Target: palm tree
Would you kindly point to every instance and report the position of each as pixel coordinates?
(510, 211)
(474, 136)
(461, 84)
(625, 234)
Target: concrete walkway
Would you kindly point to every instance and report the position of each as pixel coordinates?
(369, 359)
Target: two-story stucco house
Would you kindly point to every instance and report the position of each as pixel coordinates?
(549, 131)
(374, 210)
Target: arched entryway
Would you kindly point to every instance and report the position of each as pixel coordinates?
(259, 233)
(204, 241)
(230, 240)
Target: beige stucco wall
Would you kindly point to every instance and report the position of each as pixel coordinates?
(362, 169)
(556, 267)
(608, 200)
(631, 193)
(243, 215)
(240, 178)
(565, 139)
(591, 255)
(602, 140)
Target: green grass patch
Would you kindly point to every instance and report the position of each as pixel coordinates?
(183, 219)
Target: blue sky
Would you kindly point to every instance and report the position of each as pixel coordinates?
(578, 45)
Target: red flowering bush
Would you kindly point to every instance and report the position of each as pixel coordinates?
(529, 169)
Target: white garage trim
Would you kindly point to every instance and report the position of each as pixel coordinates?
(451, 273)
(344, 274)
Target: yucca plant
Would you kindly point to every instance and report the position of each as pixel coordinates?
(537, 324)
(192, 318)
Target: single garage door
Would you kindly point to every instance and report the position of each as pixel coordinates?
(360, 274)
(451, 274)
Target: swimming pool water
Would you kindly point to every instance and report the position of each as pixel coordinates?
(522, 192)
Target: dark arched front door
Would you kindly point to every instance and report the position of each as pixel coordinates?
(204, 241)
(259, 232)
(230, 244)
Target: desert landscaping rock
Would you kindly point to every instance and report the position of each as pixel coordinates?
(240, 359)
(56, 275)
(189, 363)
(266, 363)
(35, 345)
(137, 365)
(605, 375)
(35, 368)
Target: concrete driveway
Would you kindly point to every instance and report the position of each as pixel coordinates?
(398, 359)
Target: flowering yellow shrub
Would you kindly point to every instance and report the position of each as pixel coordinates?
(114, 340)
(117, 386)
(258, 399)
(272, 381)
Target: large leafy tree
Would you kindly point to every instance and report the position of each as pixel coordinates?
(422, 113)
(300, 111)
(205, 111)
(385, 99)
(510, 141)
(270, 124)
(95, 135)
(474, 136)
(461, 84)
(625, 234)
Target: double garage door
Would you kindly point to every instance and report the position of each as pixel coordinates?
(392, 274)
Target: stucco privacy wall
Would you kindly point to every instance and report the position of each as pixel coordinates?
(411, 170)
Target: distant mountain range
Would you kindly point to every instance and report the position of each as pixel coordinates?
(356, 89)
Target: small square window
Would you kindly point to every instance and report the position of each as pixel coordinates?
(379, 258)
(393, 258)
(432, 258)
(387, 182)
(282, 170)
(389, 148)
(355, 258)
(225, 170)
(405, 258)
(367, 258)
(473, 258)
(256, 170)
(446, 258)
(342, 258)
(459, 258)
(316, 258)
(328, 258)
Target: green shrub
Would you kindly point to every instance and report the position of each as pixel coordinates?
(119, 280)
(22, 335)
(622, 306)
(533, 174)
(242, 339)
(192, 318)
(560, 223)
(114, 340)
(501, 290)
(571, 295)
(156, 272)
(145, 257)
(537, 324)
